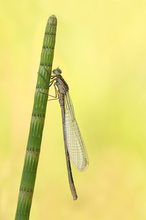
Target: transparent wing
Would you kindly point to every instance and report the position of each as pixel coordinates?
(74, 140)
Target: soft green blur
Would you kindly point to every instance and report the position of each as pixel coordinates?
(101, 48)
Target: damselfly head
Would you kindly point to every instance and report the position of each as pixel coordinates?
(57, 71)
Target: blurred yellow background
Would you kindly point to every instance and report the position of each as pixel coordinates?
(101, 49)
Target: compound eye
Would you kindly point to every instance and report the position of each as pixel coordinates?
(57, 71)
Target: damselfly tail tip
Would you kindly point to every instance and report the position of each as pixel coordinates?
(75, 197)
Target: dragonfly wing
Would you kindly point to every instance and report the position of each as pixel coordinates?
(74, 140)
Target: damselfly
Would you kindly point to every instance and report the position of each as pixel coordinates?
(74, 146)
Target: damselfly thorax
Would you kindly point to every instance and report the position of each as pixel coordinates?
(60, 85)
(62, 89)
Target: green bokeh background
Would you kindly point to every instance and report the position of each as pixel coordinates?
(101, 48)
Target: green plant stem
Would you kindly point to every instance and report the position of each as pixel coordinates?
(37, 123)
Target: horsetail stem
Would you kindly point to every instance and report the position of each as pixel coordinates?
(37, 123)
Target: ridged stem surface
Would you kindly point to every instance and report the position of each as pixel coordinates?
(37, 123)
